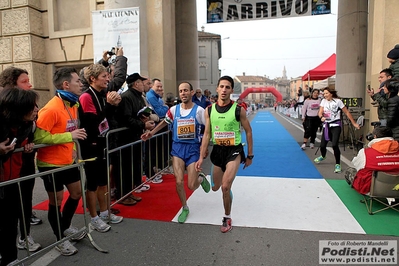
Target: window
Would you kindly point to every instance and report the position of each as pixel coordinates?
(202, 51)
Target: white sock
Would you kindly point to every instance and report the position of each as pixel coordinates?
(227, 216)
(93, 219)
(104, 213)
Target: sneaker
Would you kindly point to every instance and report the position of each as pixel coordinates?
(183, 215)
(205, 183)
(145, 187)
(32, 246)
(99, 225)
(319, 159)
(312, 145)
(303, 147)
(350, 174)
(66, 248)
(34, 220)
(128, 202)
(112, 219)
(226, 225)
(337, 168)
(74, 231)
(157, 179)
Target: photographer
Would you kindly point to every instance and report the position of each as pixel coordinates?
(116, 65)
(372, 159)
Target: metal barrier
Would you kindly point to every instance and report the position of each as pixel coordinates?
(161, 140)
(80, 165)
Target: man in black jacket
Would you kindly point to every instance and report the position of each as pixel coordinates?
(127, 116)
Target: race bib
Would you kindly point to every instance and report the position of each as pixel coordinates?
(186, 128)
(224, 138)
(71, 125)
(103, 127)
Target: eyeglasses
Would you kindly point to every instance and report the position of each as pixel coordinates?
(198, 92)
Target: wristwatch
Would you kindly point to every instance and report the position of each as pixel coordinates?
(250, 156)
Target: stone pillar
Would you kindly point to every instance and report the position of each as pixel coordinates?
(351, 48)
(382, 37)
(187, 42)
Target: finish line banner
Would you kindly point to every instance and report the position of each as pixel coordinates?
(240, 10)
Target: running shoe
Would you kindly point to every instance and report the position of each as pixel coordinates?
(337, 169)
(319, 159)
(205, 183)
(312, 145)
(66, 248)
(112, 219)
(183, 215)
(303, 147)
(143, 188)
(35, 220)
(74, 231)
(28, 243)
(157, 179)
(99, 225)
(226, 225)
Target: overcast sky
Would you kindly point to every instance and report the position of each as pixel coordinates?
(264, 47)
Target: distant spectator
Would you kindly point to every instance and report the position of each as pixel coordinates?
(13, 77)
(154, 97)
(310, 118)
(393, 59)
(200, 99)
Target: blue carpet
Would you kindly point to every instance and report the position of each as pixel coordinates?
(277, 154)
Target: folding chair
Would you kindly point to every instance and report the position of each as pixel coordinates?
(381, 190)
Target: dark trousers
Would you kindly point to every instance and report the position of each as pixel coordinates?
(311, 126)
(334, 133)
(10, 206)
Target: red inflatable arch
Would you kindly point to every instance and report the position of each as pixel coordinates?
(271, 90)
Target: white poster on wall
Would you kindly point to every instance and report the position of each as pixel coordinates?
(116, 28)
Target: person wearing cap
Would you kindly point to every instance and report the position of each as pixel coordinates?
(379, 96)
(393, 59)
(127, 116)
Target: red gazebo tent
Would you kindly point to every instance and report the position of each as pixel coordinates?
(322, 71)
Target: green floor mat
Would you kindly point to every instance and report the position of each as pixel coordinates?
(382, 223)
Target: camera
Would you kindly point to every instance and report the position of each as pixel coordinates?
(112, 51)
(370, 136)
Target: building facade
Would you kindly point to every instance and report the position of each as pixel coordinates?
(209, 53)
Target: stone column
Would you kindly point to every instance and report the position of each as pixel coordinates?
(351, 48)
(187, 42)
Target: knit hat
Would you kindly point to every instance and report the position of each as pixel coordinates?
(394, 53)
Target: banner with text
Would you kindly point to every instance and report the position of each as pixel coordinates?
(116, 28)
(240, 10)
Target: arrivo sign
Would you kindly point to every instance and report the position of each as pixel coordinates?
(239, 10)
